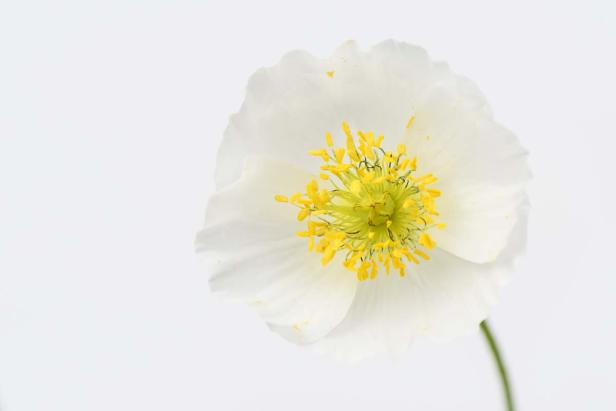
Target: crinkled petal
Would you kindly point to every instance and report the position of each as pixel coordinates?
(481, 167)
(253, 254)
(441, 298)
(481, 170)
(289, 107)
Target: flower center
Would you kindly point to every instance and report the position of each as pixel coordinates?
(375, 210)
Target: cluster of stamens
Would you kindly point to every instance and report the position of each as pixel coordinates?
(375, 211)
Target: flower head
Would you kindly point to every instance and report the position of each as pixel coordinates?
(365, 200)
(375, 211)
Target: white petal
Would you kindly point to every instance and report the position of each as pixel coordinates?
(441, 298)
(481, 167)
(289, 107)
(444, 297)
(250, 246)
(285, 114)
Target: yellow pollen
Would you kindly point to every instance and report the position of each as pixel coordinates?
(329, 140)
(303, 213)
(426, 241)
(320, 153)
(339, 154)
(373, 211)
(422, 254)
(330, 74)
(410, 122)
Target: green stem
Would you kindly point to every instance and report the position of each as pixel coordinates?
(502, 370)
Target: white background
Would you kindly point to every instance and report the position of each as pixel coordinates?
(110, 116)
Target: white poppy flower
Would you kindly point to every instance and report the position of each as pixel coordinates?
(365, 200)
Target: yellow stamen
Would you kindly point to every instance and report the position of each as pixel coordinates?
(421, 254)
(339, 153)
(410, 122)
(320, 153)
(376, 210)
(426, 241)
(434, 193)
(329, 140)
(303, 213)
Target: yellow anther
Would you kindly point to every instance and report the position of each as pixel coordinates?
(398, 265)
(387, 263)
(375, 210)
(311, 227)
(303, 213)
(362, 272)
(304, 202)
(347, 130)
(337, 169)
(352, 150)
(410, 122)
(320, 153)
(324, 196)
(370, 137)
(426, 241)
(429, 204)
(426, 180)
(389, 157)
(350, 143)
(330, 74)
(422, 254)
(312, 187)
(328, 255)
(411, 257)
(329, 140)
(374, 271)
(311, 244)
(339, 153)
(322, 245)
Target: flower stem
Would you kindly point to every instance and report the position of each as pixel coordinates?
(502, 370)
